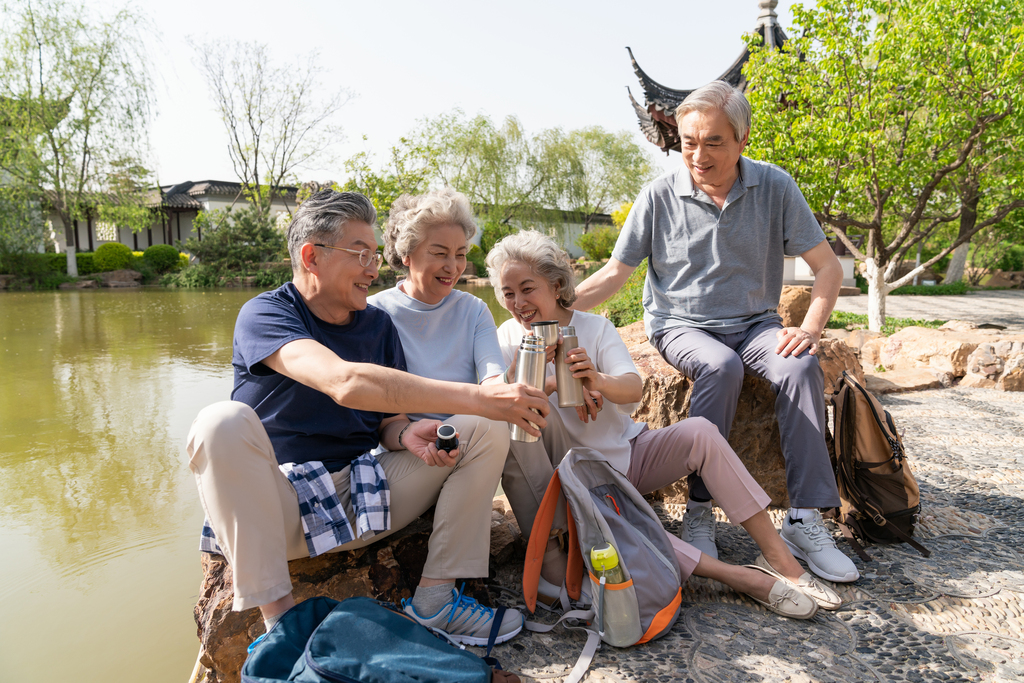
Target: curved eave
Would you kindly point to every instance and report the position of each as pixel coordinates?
(657, 120)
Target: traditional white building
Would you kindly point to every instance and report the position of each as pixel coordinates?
(176, 207)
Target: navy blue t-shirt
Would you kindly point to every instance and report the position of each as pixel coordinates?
(303, 423)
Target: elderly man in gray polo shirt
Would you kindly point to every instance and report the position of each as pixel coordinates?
(715, 233)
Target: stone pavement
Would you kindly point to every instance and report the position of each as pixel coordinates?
(1002, 307)
(955, 616)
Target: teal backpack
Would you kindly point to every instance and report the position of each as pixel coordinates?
(358, 640)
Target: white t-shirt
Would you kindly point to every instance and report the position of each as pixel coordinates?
(610, 433)
(453, 340)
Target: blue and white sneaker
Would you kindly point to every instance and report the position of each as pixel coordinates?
(466, 621)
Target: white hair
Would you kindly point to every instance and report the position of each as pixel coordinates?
(723, 97)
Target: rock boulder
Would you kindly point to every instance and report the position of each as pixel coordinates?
(121, 278)
(793, 305)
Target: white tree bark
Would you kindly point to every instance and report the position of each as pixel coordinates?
(877, 291)
(72, 260)
(955, 271)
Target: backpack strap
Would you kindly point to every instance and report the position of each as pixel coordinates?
(539, 540)
(574, 568)
(589, 649)
(898, 533)
(851, 539)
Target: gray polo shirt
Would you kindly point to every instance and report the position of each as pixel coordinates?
(717, 270)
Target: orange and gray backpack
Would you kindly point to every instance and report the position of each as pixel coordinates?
(605, 508)
(879, 495)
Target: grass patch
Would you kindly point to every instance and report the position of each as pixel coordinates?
(933, 290)
(626, 306)
(843, 320)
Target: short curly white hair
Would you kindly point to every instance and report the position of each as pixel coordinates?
(542, 255)
(412, 216)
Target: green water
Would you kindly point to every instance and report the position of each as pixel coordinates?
(99, 516)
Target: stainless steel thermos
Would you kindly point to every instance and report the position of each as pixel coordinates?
(530, 366)
(547, 330)
(570, 389)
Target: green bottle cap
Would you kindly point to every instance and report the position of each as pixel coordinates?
(604, 558)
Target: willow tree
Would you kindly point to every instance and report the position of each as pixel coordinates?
(74, 103)
(885, 112)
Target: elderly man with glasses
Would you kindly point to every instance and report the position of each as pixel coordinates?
(314, 453)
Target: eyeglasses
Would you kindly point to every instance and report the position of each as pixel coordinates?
(365, 256)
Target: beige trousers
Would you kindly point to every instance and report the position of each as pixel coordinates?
(658, 458)
(254, 512)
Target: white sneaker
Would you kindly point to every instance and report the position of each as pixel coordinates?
(699, 530)
(466, 621)
(810, 541)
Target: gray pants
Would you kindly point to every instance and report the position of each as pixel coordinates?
(717, 362)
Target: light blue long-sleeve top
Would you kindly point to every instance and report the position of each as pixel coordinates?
(455, 340)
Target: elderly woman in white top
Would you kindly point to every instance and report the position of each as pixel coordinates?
(446, 334)
(534, 280)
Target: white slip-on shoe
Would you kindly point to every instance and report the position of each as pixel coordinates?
(819, 592)
(810, 541)
(699, 530)
(786, 599)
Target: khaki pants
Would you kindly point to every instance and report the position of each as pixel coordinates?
(254, 512)
(659, 457)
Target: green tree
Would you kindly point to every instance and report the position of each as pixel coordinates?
(879, 107)
(400, 175)
(277, 118)
(21, 220)
(594, 171)
(74, 101)
(502, 170)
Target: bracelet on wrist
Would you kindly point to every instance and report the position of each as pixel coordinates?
(400, 434)
(504, 376)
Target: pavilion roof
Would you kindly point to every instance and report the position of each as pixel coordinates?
(657, 114)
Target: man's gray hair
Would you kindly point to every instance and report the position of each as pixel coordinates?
(322, 217)
(722, 96)
(542, 255)
(412, 216)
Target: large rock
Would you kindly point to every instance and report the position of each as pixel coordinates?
(922, 347)
(793, 305)
(755, 432)
(898, 381)
(121, 278)
(835, 356)
(387, 570)
(1013, 374)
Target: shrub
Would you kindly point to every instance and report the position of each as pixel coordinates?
(1012, 259)
(86, 261)
(236, 241)
(163, 257)
(597, 244)
(932, 290)
(476, 256)
(195, 276)
(273, 277)
(627, 305)
(491, 233)
(112, 256)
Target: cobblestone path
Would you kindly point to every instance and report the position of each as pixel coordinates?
(955, 616)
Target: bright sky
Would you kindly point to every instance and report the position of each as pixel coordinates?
(549, 63)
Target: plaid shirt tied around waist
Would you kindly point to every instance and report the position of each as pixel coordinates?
(324, 521)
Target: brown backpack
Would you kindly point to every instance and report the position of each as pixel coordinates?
(879, 495)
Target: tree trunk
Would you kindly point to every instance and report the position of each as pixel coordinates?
(968, 219)
(69, 244)
(876, 295)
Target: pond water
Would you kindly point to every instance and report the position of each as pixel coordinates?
(99, 515)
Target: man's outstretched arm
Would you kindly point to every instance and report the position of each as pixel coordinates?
(365, 386)
(602, 285)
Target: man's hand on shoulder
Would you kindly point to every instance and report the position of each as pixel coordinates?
(794, 340)
(516, 404)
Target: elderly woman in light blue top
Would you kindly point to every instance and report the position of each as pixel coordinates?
(446, 334)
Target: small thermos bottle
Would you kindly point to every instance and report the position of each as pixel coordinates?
(605, 562)
(531, 362)
(570, 389)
